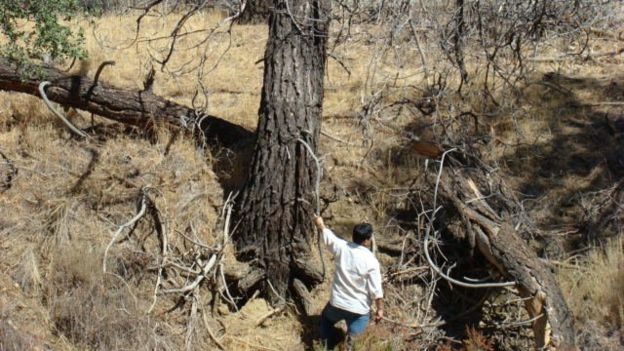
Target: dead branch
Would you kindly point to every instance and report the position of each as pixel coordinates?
(605, 34)
(519, 323)
(319, 175)
(164, 247)
(252, 278)
(304, 296)
(96, 78)
(134, 219)
(573, 56)
(426, 242)
(209, 330)
(435, 324)
(228, 296)
(190, 325)
(335, 138)
(607, 211)
(250, 345)
(227, 215)
(47, 102)
(269, 315)
(194, 241)
(206, 267)
(503, 247)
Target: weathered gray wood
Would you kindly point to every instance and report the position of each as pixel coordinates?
(537, 281)
(251, 279)
(307, 271)
(305, 299)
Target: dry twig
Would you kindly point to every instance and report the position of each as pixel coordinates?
(134, 219)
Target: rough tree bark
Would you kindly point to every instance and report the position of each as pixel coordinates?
(139, 108)
(256, 11)
(277, 202)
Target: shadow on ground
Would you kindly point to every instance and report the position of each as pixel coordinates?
(582, 151)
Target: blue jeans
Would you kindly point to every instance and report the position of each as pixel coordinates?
(356, 324)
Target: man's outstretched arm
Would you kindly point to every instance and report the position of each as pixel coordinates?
(329, 238)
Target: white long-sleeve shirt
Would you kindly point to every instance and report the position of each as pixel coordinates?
(357, 281)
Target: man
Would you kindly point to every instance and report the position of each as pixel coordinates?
(356, 284)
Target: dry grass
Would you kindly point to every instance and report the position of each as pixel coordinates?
(96, 311)
(278, 332)
(475, 341)
(233, 87)
(378, 338)
(60, 212)
(595, 287)
(23, 320)
(27, 274)
(12, 339)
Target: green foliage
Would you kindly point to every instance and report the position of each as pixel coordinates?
(34, 29)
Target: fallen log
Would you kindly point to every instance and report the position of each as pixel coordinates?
(140, 108)
(501, 244)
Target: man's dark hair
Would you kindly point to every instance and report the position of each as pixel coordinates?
(361, 232)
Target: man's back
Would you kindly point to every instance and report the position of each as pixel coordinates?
(357, 280)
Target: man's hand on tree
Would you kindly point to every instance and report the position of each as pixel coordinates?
(318, 221)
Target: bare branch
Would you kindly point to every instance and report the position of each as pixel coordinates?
(47, 102)
(207, 266)
(134, 219)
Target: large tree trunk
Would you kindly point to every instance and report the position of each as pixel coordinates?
(277, 202)
(140, 108)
